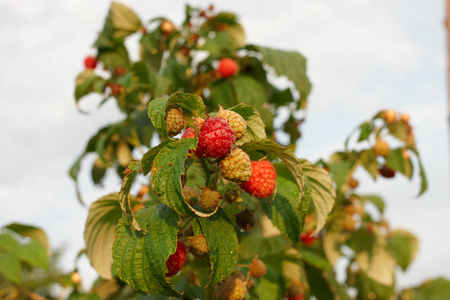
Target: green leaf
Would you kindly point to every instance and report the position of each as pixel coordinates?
(366, 129)
(399, 130)
(323, 193)
(377, 200)
(282, 98)
(290, 64)
(33, 253)
(139, 257)
(318, 284)
(369, 161)
(168, 166)
(219, 44)
(396, 161)
(151, 52)
(223, 245)
(339, 172)
(84, 84)
(222, 92)
(314, 259)
(102, 219)
(123, 20)
(304, 204)
(270, 287)
(285, 154)
(403, 246)
(282, 215)
(124, 194)
(149, 157)
(365, 286)
(431, 290)
(332, 243)
(423, 176)
(157, 108)
(10, 267)
(190, 102)
(116, 57)
(255, 126)
(338, 289)
(7, 242)
(157, 113)
(379, 265)
(35, 233)
(249, 91)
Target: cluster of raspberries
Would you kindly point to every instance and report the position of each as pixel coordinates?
(216, 138)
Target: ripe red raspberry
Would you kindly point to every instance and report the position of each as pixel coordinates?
(308, 237)
(386, 172)
(262, 183)
(227, 67)
(209, 198)
(190, 134)
(235, 120)
(177, 260)
(257, 268)
(90, 62)
(246, 219)
(236, 166)
(233, 288)
(198, 246)
(175, 122)
(216, 137)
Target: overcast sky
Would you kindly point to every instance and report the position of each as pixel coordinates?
(363, 56)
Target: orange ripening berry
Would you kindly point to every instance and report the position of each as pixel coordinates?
(263, 180)
(227, 67)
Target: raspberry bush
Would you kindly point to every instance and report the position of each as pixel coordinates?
(202, 167)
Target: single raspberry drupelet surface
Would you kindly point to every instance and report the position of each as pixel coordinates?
(177, 260)
(235, 120)
(236, 167)
(263, 181)
(90, 62)
(227, 67)
(216, 137)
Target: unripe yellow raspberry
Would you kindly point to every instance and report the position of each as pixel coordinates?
(257, 268)
(175, 122)
(233, 288)
(236, 167)
(209, 198)
(381, 148)
(235, 120)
